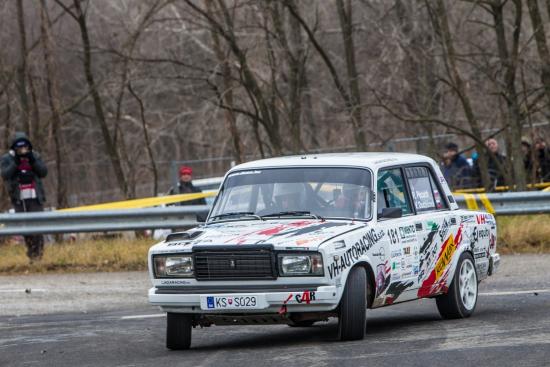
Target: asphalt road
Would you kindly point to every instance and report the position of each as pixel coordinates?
(104, 320)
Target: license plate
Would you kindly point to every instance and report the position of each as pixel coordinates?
(240, 302)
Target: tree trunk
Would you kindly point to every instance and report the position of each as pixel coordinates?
(346, 25)
(22, 70)
(227, 93)
(542, 46)
(509, 61)
(440, 23)
(98, 105)
(52, 88)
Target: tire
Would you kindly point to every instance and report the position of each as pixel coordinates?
(352, 318)
(461, 299)
(178, 330)
(304, 323)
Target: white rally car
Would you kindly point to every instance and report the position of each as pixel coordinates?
(301, 239)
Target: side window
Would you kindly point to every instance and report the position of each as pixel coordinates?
(424, 191)
(391, 191)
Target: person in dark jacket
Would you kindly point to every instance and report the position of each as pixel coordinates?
(455, 168)
(185, 186)
(494, 160)
(542, 155)
(22, 171)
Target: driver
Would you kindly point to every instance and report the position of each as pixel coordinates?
(352, 200)
(288, 196)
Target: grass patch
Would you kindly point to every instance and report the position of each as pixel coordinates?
(523, 234)
(517, 234)
(81, 256)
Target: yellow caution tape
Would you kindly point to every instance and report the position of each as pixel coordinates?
(143, 203)
(487, 203)
(471, 202)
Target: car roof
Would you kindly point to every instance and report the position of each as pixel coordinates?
(371, 160)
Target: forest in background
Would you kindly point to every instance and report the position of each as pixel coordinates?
(112, 91)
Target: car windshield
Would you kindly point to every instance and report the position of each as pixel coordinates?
(316, 192)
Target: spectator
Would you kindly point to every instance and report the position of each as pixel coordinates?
(494, 160)
(22, 171)
(527, 161)
(542, 155)
(456, 169)
(185, 186)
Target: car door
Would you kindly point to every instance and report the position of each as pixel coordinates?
(436, 229)
(397, 268)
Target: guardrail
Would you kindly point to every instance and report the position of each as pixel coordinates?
(509, 203)
(100, 221)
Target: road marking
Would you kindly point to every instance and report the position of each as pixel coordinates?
(143, 316)
(22, 290)
(513, 293)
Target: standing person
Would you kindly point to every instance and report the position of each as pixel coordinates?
(527, 161)
(494, 160)
(542, 155)
(185, 186)
(22, 171)
(455, 168)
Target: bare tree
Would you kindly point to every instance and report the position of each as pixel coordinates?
(52, 87)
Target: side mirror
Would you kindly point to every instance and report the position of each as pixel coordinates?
(390, 213)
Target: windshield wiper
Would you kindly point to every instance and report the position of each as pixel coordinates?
(235, 214)
(296, 213)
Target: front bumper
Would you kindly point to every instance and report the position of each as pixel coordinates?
(494, 263)
(307, 299)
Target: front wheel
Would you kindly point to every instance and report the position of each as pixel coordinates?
(461, 299)
(352, 318)
(178, 330)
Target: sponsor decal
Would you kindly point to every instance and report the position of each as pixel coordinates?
(407, 231)
(443, 230)
(484, 233)
(396, 253)
(407, 250)
(395, 290)
(380, 254)
(241, 173)
(479, 255)
(467, 219)
(352, 255)
(174, 282)
(383, 276)
(444, 260)
(306, 297)
(435, 282)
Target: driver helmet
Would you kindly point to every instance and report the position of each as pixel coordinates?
(288, 194)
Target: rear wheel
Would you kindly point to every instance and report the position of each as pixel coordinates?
(352, 318)
(461, 299)
(178, 330)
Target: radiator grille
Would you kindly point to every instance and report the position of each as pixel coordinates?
(228, 265)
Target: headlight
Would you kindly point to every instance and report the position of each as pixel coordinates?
(173, 266)
(300, 264)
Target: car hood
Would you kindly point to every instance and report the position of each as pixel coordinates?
(282, 234)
